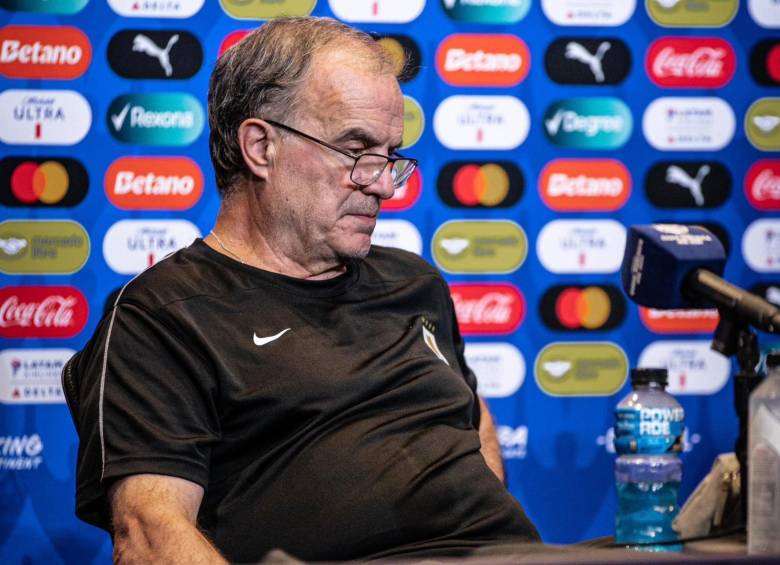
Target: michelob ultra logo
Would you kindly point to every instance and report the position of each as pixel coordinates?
(694, 368)
(42, 312)
(400, 234)
(243, 10)
(765, 62)
(130, 246)
(405, 54)
(577, 185)
(582, 308)
(38, 247)
(42, 182)
(481, 122)
(679, 321)
(467, 59)
(43, 117)
(464, 184)
(765, 13)
(761, 245)
(587, 368)
(692, 13)
(762, 185)
(499, 367)
(163, 118)
(488, 308)
(579, 13)
(581, 246)
(414, 122)
(684, 123)
(762, 124)
(154, 183)
(381, 11)
(156, 8)
(493, 12)
(690, 62)
(61, 7)
(43, 52)
(588, 123)
(479, 246)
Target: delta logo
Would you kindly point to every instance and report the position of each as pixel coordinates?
(692, 13)
(479, 246)
(762, 185)
(481, 122)
(161, 118)
(376, 11)
(57, 312)
(765, 13)
(154, 183)
(42, 247)
(464, 184)
(43, 117)
(131, 246)
(42, 182)
(688, 184)
(602, 13)
(482, 12)
(32, 376)
(765, 62)
(578, 185)
(60, 7)
(582, 308)
(499, 367)
(488, 309)
(687, 123)
(43, 52)
(679, 321)
(762, 124)
(588, 123)
(583, 368)
(690, 62)
(405, 196)
(483, 60)
(156, 8)
(761, 245)
(581, 246)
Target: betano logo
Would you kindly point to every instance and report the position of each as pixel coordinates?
(482, 12)
(377, 11)
(499, 367)
(42, 182)
(765, 13)
(154, 183)
(42, 247)
(43, 117)
(130, 246)
(481, 122)
(464, 184)
(60, 7)
(679, 321)
(264, 10)
(161, 118)
(487, 308)
(761, 245)
(405, 196)
(762, 185)
(56, 312)
(156, 8)
(689, 123)
(400, 234)
(582, 308)
(692, 13)
(765, 62)
(587, 368)
(688, 184)
(479, 246)
(466, 59)
(690, 62)
(43, 52)
(762, 124)
(32, 376)
(581, 246)
(693, 367)
(578, 13)
(414, 122)
(588, 123)
(578, 185)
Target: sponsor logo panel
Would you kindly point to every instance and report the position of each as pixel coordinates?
(379, 11)
(488, 308)
(479, 246)
(582, 307)
(405, 53)
(39, 247)
(765, 13)
(61, 7)
(493, 12)
(762, 185)
(162, 118)
(762, 124)
(42, 182)
(692, 13)
(414, 122)
(151, 54)
(21, 452)
(44, 52)
(263, 10)
(32, 376)
(481, 122)
(405, 196)
(769, 291)
(587, 60)
(231, 39)
(586, 368)
(690, 62)
(588, 123)
(679, 321)
(469, 59)
(56, 312)
(688, 184)
(761, 245)
(576, 185)
(765, 62)
(43, 117)
(499, 367)
(397, 233)
(693, 367)
(588, 12)
(130, 246)
(153, 183)
(156, 8)
(688, 123)
(581, 246)
(513, 441)
(482, 184)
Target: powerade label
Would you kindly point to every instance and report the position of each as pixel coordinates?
(648, 430)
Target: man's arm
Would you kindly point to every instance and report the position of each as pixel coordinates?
(491, 449)
(154, 519)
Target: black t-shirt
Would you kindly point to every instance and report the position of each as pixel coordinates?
(332, 419)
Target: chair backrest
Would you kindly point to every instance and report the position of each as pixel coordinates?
(71, 390)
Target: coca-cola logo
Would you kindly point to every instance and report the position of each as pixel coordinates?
(690, 62)
(762, 184)
(42, 311)
(487, 308)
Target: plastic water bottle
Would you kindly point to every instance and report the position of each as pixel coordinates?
(648, 437)
(763, 527)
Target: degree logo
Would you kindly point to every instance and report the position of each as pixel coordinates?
(405, 196)
(690, 62)
(765, 62)
(581, 246)
(762, 124)
(493, 12)
(154, 183)
(692, 13)
(153, 54)
(608, 13)
(380, 11)
(231, 39)
(43, 117)
(688, 184)
(40, 182)
(679, 321)
(481, 122)
(586, 368)
(487, 309)
(689, 123)
(57, 312)
(479, 246)
(414, 122)
(405, 54)
(577, 185)
(761, 246)
(131, 246)
(399, 234)
(582, 308)
(762, 185)
(693, 367)
(483, 184)
(482, 60)
(587, 60)
(43, 52)
(156, 8)
(588, 123)
(499, 367)
(61, 7)
(161, 118)
(39, 247)
(765, 13)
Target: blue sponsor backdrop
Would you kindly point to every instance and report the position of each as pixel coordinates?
(557, 453)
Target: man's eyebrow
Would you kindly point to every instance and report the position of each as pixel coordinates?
(358, 134)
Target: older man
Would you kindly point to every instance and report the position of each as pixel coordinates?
(281, 383)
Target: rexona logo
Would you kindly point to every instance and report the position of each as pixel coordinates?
(61, 7)
(499, 367)
(578, 185)
(405, 196)
(762, 124)
(486, 12)
(582, 307)
(765, 62)
(479, 246)
(40, 247)
(405, 53)
(588, 13)
(130, 246)
(690, 62)
(762, 185)
(587, 60)
(466, 59)
(588, 123)
(156, 8)
(43, 117)
(154, 183)
(57, 312)
(688, 184)
(761, 246)
(145, 53)
(161, 118)
(692, 13)
(765, 13)
(581, 246)
(464, 184)
(32, 376)
(679, 321)
(384, 11)
(414, 122)
(689, 123)
(42, 182)
(45, 52)
(586, 368)
(397, 233)
(693, 367)
(487, 309)
(481, 122)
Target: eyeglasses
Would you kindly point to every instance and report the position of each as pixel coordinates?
(368, 167)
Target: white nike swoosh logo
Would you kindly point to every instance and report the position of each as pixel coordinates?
(119, 118)
(269, 339)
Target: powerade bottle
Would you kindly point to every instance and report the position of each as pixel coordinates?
(648, 437)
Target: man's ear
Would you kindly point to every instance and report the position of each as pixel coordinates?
(257, 141)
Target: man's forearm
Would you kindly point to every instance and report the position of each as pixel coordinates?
(491, 449)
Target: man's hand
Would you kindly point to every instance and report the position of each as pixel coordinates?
(154, 519)
(491, 449)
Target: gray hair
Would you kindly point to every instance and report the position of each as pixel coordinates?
(262, 75)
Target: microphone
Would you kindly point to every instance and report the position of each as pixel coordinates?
(670, 266)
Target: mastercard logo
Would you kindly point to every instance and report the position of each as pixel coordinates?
(582, 308)
(42, 182)
(405, 196)
(463, 184)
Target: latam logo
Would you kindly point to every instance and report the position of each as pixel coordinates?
(583, 368)
(762, 185)
(378, 11)
(762, 124)
(679, 321)
(499, 368)
(464, 184)
(761, 246)
(60, 7)
(479, 246)
(688, 184)
(689, 123)
(692, 13)
(400, 234)
(608, 13)
(482, 12)
(487, 309)
(690, 62)
(161, 118)
(582, 307)
(588, 123)
(466, 59)
(151, 54)
(581, 246)
(578, 185)
(156, 8)
(42, 182)
(43, 52)
(765, 62)
(406, 56)
(693, 367)
(43, 117)
(587, 60)
(765, 13)
(154, 183)
(32, 376)
(481, 122)
(232, 39)
(405, 196)
(130, 246)
(56, 312)
(42, 247)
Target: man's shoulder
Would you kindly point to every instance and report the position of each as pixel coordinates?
(397, 263)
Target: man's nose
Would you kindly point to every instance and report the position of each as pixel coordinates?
(383, 185)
